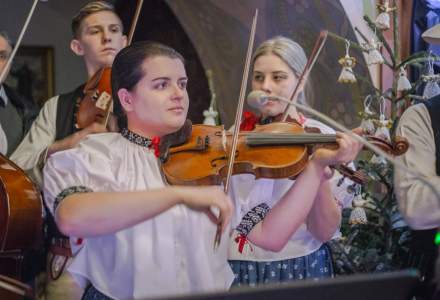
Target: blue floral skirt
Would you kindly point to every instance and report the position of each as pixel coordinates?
(93, 294)
(316, 265)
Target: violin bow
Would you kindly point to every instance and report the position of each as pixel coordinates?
(238, 114)
(326, 119)
(130, 38)
(135, 20)
(17, 44)
(319, 44)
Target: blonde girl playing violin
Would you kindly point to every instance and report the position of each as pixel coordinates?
(316, 205)
(141, 237)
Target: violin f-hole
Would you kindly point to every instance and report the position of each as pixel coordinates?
(213, 162)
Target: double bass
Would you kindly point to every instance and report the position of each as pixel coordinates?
(21, 218)
(21, 213)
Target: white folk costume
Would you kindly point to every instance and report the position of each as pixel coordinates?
(303, 256)
(169, 254)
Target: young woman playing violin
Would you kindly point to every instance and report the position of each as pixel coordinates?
(315, 197)
(141, 237)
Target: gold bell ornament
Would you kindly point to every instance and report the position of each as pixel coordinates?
(347, 62)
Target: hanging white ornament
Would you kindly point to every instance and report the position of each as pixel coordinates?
(210, 116)
(378, 160)
(382, 130)
(368, 126)
(403, 84)
(347, 62)
(373, 57)
(367, 116)
(358, 214)
(432, 88)
(383, 19)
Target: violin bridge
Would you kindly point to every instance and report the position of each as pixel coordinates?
(224, 141)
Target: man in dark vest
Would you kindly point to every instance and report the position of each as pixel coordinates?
(418, 203)
(16, 112)
(97, 37)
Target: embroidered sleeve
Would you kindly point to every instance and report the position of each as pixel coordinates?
(69, 191)
(252, 218)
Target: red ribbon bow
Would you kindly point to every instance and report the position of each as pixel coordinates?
(155, 141)
(249, 121)
(242, 240)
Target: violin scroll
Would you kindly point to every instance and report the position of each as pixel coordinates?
(398, 146)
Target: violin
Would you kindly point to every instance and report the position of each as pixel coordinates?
(276, 150)
(97, 104)
(21, 216)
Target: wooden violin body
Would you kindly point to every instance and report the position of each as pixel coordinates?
(96, 105)
(203, 159)
(276, 150)
(20, 217)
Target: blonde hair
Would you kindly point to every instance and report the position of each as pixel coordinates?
(87, 10)
(288, 51)
(4, 35)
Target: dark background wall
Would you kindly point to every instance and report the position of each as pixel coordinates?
(211, 34)
(158, 23)
(214, 35)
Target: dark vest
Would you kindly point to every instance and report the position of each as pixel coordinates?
(17, 117)
(65, 126)
(66, 111)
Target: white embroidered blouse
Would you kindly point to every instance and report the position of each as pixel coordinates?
(171, 253)
(249, 193)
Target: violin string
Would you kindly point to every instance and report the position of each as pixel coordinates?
(367, 144)
(17, 44)
(288, 138)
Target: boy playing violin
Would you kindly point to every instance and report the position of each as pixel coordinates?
(97, 38)
(142, 237)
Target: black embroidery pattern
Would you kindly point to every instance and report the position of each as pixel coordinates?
(252, 218)
(136, 138)
(69, 191)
